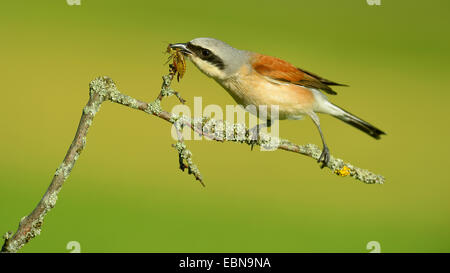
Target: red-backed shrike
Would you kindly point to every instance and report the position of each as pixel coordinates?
(255, 79)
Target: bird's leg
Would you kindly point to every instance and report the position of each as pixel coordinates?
(254, 132)
(325, 155)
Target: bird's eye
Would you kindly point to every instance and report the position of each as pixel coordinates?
(206, 52)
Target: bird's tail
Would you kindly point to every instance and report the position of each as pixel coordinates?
(356, 122)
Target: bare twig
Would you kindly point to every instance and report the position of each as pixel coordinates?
(102, 89)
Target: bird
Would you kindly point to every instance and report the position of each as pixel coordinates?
(255, 79)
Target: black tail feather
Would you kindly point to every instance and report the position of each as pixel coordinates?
(360, 124)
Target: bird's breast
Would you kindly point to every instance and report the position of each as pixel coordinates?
(250, 88)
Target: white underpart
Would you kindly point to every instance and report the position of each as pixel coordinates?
(323, 105)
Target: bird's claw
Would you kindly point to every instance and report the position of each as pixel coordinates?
(324, 157)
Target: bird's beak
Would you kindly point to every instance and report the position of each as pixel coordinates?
(182, 47)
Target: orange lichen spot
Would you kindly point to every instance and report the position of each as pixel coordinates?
(345, 171)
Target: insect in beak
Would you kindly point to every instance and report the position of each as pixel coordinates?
(178, 65)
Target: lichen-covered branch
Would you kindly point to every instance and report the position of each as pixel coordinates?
(184, 155)
(30, 226)
(103, 89)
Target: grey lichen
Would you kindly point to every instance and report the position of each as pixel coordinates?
(173, 117)
(7, 235)
(117, 97)
(180, 121)
(102, 86)
(186, 156)
(268, 142)
(166, 92)
(154, 108)
(64, 169)
(83, 142)
(50, 202)
(91, 109)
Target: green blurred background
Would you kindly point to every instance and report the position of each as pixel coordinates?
(126, 193)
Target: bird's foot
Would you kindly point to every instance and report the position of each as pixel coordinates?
(324, 157)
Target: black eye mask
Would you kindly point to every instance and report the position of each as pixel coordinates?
(207, 55)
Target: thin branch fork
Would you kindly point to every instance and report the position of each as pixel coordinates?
(104, 89)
